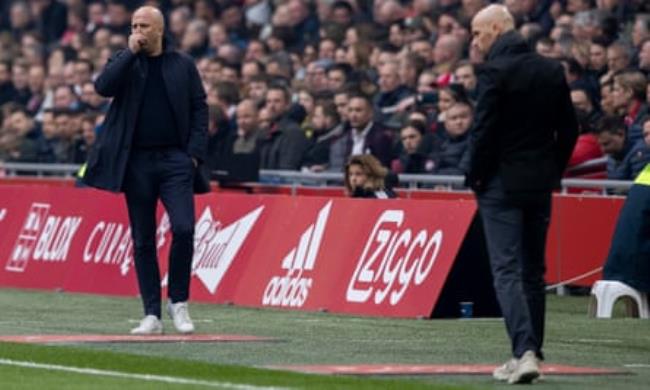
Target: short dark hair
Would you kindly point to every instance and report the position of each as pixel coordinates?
(260, 66)
(86, 61)
(284, 90)
(613, 124)
(362, 96)
(417, 125)
(585, 91)
(227, 92)
(342, 5)
(329, 109)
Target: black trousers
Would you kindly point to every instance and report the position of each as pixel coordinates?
(515, 232)
(165, 174)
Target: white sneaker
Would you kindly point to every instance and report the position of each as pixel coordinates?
(502, 373)
(527, 369)
(149, 325)
(181, 317)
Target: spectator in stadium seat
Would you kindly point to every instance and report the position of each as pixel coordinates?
(248, 131)
(316, 76)
(365, 177)
(20, 80)
(451, 153)
(257, 88)
(327, 127)
(448, 96)
(195, 39)
(619, 56)
(607, 98)
(628, 97)
(391, 91)
(628, 260)
(251, 69)
(517, 159)
(65, 98)
(597, 58)
(91, 100)
(179, 18)
(20, 19)
(284, 145)
(364, 135)
(582, 101)
(85, 141)
(31, 146)
(57, 135)
(119, 16)
(640, 30)
(154, 139)
(256, 50)
(446, 53)
(337, 76)
(586, 148)
(626, 158)
(416, 145)
(423, 49)
(644, 58)
(7, 89)
(464, 74)
(36, 88)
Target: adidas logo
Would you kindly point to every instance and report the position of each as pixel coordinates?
(292, 289)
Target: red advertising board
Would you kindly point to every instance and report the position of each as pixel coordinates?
(386, 258)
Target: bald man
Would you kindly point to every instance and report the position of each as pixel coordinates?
(152, 146)
(523, 135)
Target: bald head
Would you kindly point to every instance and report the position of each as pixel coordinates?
(153, 13)
(488, 24)
(247, 116)
(147, 28)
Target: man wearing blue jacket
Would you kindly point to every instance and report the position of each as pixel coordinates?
(152, 144)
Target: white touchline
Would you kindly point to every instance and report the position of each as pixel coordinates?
(129, 375)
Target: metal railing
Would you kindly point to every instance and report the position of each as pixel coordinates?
(297, 179)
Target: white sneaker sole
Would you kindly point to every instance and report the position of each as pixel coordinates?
(524, 378)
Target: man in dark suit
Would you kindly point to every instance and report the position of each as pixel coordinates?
(152, 144)
(363, 136)
(523, 135)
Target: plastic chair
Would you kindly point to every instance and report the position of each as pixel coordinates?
(605, 293)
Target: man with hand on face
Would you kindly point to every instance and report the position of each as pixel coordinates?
(523, 134)
(153, 141)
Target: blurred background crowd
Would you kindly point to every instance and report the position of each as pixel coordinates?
(304, 85)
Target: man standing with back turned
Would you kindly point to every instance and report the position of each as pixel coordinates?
(524, 132)
(154, 138)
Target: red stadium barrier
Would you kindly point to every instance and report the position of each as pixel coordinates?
(375, 257)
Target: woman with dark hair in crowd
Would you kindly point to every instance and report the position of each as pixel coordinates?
(365, 177)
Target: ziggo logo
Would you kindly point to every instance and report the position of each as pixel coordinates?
(392, 259)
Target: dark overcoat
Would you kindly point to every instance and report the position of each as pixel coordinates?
(123, 79)
(524, 126)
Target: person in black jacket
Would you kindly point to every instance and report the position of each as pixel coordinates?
(523, 135)
(154, 139)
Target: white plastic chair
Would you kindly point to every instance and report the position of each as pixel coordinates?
(605, 293)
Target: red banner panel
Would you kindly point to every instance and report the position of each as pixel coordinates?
(371, 257)
(386, 258)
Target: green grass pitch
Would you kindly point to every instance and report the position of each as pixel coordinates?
(301, 338)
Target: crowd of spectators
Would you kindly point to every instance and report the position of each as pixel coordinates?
(304, 85)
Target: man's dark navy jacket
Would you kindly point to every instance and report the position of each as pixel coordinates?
(124, 79)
